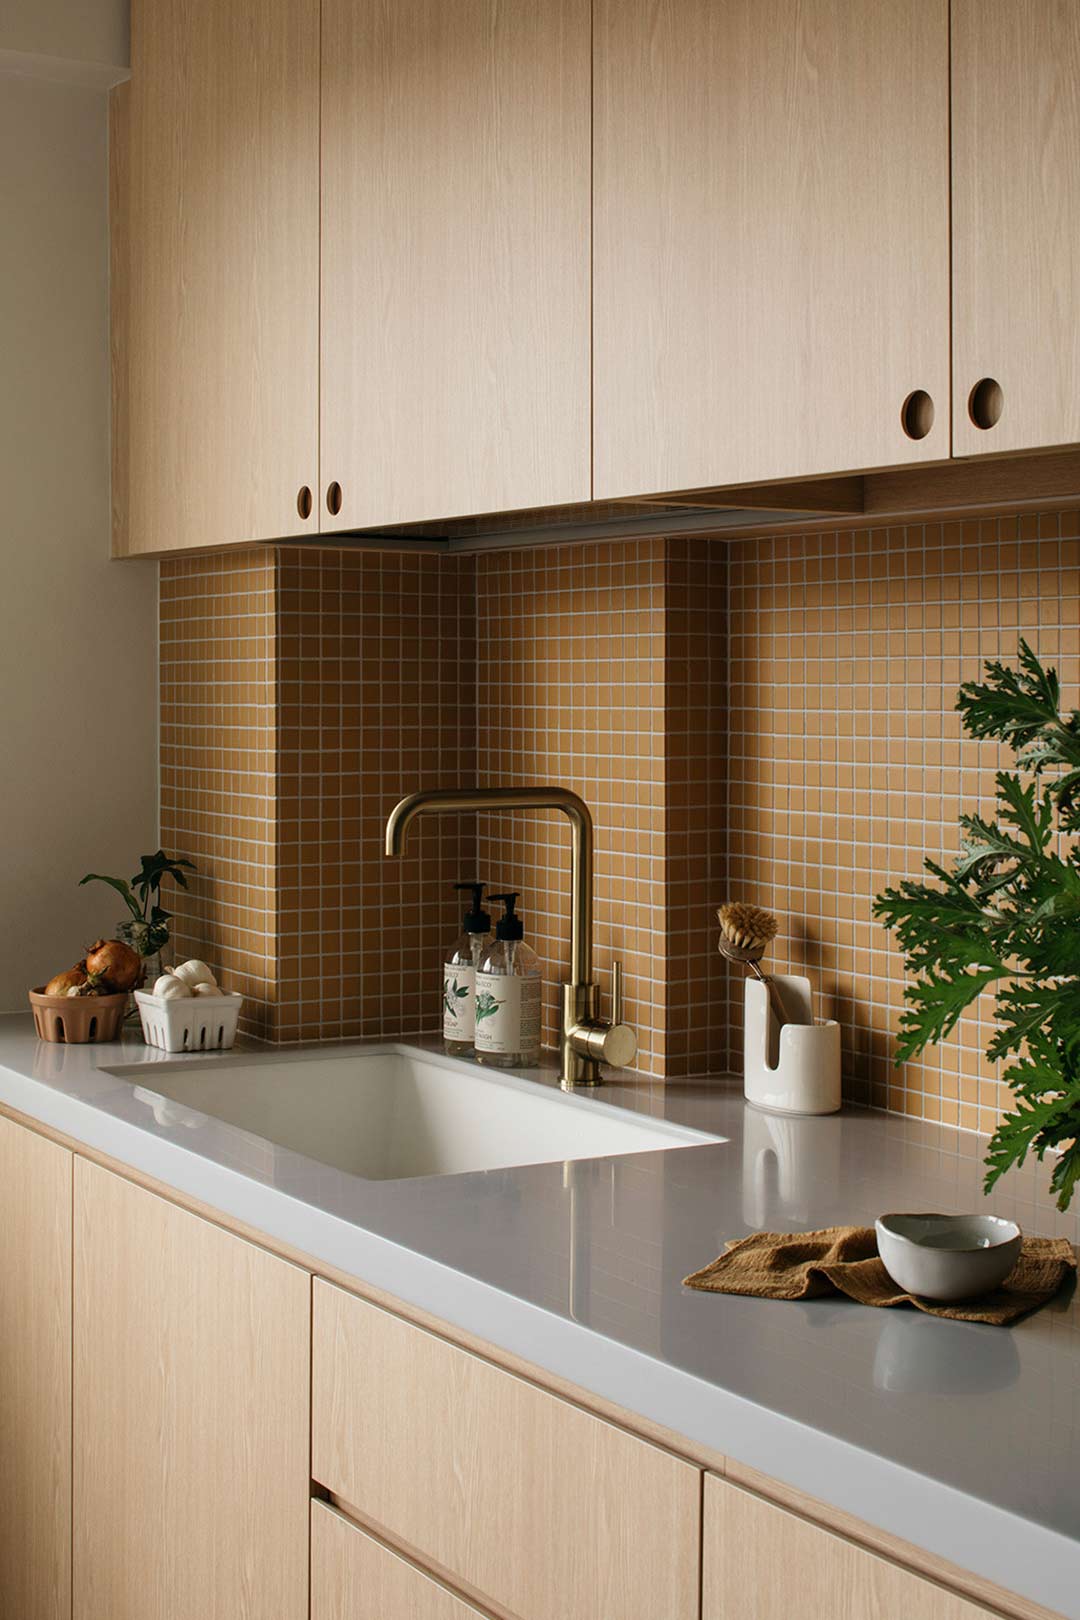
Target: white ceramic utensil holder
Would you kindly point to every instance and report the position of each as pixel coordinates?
(794, 1067)
(189, 1023)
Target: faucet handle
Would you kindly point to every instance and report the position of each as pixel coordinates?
(618, 1040)
(614, 1044)
(592, 1037)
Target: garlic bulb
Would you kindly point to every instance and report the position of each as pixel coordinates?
(170, 988)
(210, 989)
(194, 972)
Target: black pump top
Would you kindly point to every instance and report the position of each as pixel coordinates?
(509, 926)
(476, 920)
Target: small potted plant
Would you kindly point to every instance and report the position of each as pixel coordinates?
(146, 930)
(1007, 915)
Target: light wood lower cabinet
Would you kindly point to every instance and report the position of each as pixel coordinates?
(35, 1376)
(191, 1438)
(354, 1577)
(762, 1562)
(156, 1460)
(544, 1510)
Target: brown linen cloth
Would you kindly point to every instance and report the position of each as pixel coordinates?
(844, 1260)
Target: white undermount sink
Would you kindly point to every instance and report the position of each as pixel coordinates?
(397, 1113)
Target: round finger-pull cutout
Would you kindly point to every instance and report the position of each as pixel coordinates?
(917, 414)
(303, 501)
(333, 499)
(986, 403)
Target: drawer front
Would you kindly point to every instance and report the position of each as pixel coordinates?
(763, 1563)
(516, 1495)
(354, 1577)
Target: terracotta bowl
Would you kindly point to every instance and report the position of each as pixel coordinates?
(78, 1019)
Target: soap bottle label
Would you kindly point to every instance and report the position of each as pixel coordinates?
(507, 1015)
(459, 981)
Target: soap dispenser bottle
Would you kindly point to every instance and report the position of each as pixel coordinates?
(508, 986)
(459, 973)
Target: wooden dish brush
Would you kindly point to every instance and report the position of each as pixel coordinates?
(745, 933)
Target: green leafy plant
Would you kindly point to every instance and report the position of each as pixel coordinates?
(1007, 915)
(149, 926)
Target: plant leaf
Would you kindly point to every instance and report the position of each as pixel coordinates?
(154, 868)
(934, 1008)
(1031, 814)
(123, 889)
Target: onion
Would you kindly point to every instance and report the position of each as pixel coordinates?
(62, 984)
(114, 963)
(194, 972)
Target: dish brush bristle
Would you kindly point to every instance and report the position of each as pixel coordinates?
(748, 927)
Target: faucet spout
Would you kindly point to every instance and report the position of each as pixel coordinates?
(521, 798)
(586, 1039)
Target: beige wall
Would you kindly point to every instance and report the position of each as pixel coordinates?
(77, 633)
(87, 31)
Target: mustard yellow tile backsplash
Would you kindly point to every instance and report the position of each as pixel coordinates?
(765, 717)
(847, 766)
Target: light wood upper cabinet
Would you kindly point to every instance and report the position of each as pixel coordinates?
(761, 1562)
(35, 1376)
(216, 281)
(771, 238)
(1016, 224)
(523, 1500)
(455, 257)
(191, 1440)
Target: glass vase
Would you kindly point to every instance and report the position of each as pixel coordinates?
(137, 935)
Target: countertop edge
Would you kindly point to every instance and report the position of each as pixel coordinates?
(1014, 1553)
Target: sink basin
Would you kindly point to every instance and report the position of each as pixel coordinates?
(394, 1113)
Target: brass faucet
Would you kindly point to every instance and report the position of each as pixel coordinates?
(587, 1040)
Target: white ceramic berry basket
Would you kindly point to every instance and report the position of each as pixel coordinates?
(189, 1023)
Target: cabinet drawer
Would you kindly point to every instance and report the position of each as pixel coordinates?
(513, 1493)
(763, 1563)
(354, 1577)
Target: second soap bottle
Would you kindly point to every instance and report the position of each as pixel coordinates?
(508, 995)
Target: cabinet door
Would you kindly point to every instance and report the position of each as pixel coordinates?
(35, 1376)
(192, 1358)
(763, 1563)
(532, 1505)
(1016, 224)
(771, 227)
(354, 1577)
(455, 257)
(216, 194)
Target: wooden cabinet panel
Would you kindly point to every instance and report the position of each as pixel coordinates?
(771, 238)
(35, 1376)
(354, 1577)
(517, 1496)
(763, 1563)
(216, 293)
(455, 257)
(1016, 223)
(191, 1468)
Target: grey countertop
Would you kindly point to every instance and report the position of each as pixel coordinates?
(959, 1438)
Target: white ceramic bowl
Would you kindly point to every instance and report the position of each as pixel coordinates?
(947, 1257)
